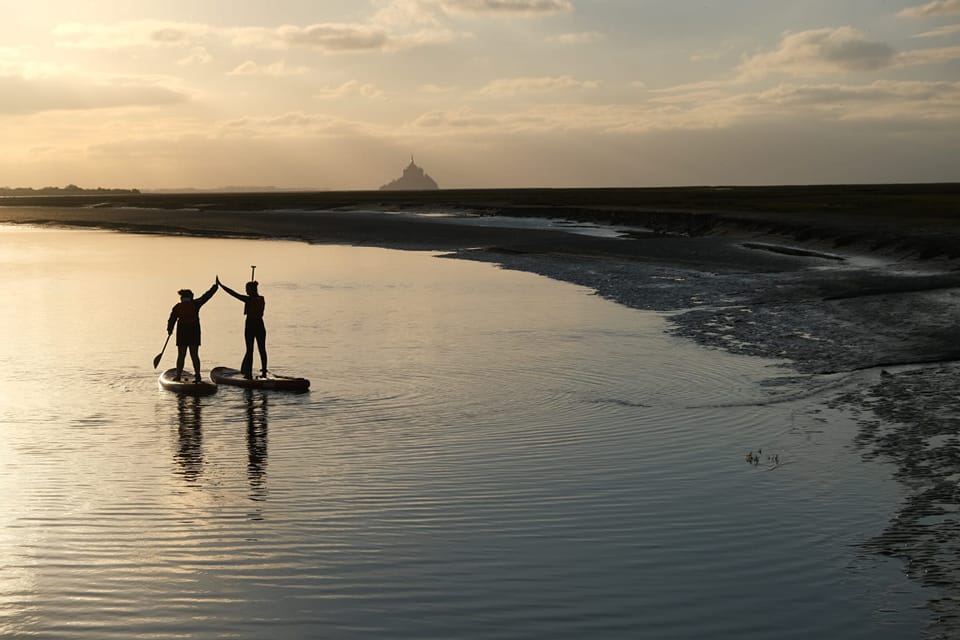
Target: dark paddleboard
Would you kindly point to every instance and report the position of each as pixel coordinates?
(233, 377)
(186, 384)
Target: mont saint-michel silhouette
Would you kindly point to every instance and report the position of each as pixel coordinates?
(414, 178)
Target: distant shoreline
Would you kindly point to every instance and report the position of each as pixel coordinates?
(922, 219)
(874, 199)
(69, 190)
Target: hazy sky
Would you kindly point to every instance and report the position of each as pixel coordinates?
(486, 93)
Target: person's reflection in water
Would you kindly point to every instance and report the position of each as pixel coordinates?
(189, 453)
(256, 444)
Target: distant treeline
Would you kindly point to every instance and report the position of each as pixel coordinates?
(69, 190)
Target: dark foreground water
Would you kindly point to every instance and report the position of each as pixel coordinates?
(483, 454)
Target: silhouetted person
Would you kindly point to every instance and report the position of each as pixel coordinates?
(186, 315)
(253, 329)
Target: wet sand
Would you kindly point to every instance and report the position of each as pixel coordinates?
(857, 287)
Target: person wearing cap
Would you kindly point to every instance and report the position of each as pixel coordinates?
(186, 316)
(253, 330)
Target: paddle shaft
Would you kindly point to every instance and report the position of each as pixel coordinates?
(253, 269)
(156, 360)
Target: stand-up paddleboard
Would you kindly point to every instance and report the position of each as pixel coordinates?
(186, 384)
(234, 377)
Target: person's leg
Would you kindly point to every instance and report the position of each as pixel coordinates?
(262, 347)
(181, 356)
(195, 357)
(246, 367)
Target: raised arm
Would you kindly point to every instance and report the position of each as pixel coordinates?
(202, 300)
(238, 296)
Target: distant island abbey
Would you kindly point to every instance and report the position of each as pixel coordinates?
(414, 178)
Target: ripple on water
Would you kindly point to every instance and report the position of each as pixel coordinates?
(521, 460)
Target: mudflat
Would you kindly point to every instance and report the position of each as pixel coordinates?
(921, 220)
(857, 288)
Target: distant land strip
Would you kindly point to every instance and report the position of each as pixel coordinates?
(70, 189)
(941, 200)
(923, 219)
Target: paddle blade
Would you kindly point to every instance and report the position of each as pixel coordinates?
(156, 360)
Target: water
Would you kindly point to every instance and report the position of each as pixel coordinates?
(483, 454)
(515, 222)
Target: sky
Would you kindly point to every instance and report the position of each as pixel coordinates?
(339, 94)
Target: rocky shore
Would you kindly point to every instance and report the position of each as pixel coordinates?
(863, 281)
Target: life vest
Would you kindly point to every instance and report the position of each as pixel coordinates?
(187, 312)
(254, 307)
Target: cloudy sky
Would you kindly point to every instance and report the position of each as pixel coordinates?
(486, 93)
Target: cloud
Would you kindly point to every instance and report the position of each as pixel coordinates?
(13, 53)
(928, 56)
(506, 7)
(458, 119)
(129, 35)
(402, 13)
(841, 50)
(335, 37)
(696, 88)
(514, 86)
(611, 119)
(277, 69)
(906, 105)
(583, 37)
(349, 88)
(425, 37)
(881, 91)
(935, 8)
(808, 53)
(883, 100)
(17, 62)
(941, 32)
(294, 124)
(328, 37)
(437, 89)
(430, 14)
(339, 37)
(198, 55)
(920, 105)
(20, 95)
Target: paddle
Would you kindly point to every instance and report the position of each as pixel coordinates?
(156, 360)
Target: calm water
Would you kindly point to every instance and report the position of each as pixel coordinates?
(483, 454)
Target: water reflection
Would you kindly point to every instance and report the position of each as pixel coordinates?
(189, 454)
(256, 402)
